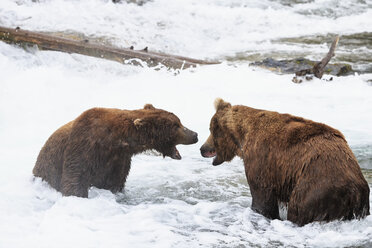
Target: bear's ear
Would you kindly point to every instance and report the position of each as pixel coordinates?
(221, 104)
(148, 106)
(138, 123)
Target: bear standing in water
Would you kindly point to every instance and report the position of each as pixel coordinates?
(304, 164)
(96, 148)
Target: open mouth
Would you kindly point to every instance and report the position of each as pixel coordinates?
(217, 161)
(175, 154)
(213, 154)
(209, 154)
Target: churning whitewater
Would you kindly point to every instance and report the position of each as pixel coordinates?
(188, 202)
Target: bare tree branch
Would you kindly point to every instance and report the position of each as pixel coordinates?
(318, 69)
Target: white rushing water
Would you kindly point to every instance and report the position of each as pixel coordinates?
(168, 203)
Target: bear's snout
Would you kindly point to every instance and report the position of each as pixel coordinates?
(207, 151)
(194, 137)
(188, 137)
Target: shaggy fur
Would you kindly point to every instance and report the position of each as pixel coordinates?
(305, 164)
(96, 148)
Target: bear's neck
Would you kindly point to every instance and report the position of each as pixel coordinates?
(141, 143)
(143, 140)
(241, 126)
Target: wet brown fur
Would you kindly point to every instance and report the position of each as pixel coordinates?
(306, 164)
(96, 148)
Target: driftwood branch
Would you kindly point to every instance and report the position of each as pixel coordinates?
(318, 69)
(122, 55)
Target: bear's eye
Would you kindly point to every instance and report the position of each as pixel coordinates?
(175, 126)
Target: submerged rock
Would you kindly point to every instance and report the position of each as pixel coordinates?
(294, 65)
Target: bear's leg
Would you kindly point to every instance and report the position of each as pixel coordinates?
(265, 202)
(321, 201)
(297, 211)
(118, 178)
(74, 181)
(112, 175)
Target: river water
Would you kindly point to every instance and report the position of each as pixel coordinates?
(168, 203)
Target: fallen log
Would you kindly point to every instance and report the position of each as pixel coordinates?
(123, 55)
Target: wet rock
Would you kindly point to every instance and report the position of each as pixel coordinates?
(294, 65)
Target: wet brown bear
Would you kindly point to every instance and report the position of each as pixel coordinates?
(96, 148)
(306, 165)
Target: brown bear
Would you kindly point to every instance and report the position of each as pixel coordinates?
(96, 148)
(304, 164)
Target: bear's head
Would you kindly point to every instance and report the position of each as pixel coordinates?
(162, 131)
(221, 143)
